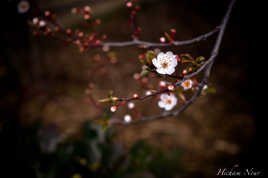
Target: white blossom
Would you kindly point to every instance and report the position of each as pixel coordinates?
(167, 101)
(23, 6)
(187, 84)
(165, 63)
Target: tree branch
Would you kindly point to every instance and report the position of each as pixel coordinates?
(207, 66)
(150, 44)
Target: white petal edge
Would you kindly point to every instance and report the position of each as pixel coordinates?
(161, 104)
(170, 71)
(160, 55)
(155, 63)
(163, 96)
(168, 107)
(161, 71)
(170, 53)
(174, 62)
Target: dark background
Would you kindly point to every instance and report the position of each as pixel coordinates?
(15, 38)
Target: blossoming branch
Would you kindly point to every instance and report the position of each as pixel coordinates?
(177, 73)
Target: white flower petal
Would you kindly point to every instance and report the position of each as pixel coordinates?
(170, 53)
(155, 63)
(163, 96)
(170, 71)
(160, 55)
(161, 71)
(174, 100)
(174, 62)
(161, 104)
(168, 107)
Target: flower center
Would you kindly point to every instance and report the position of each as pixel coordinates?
(186, 83)
(24, 6)
(168, 101)
(164, 65)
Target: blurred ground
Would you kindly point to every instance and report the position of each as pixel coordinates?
(213, 131)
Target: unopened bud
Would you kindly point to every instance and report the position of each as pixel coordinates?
(86, 16)
(35, 21)
(74, 10)
(135, 95)
(42, 23)
(87, 9)
(129, 4)
(148, 93)
(127, 118)
(162, 39)
(171, 87)
(162, 84)
(113, 108)
(131, 105)
(47, 13)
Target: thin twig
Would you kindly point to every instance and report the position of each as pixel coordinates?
(150, 44)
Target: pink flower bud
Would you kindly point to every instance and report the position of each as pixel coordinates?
(131, 105)
(129, 4)
(162, 84)
(87, 9)
(178, 59)
(35, 21)
(171, 87)
(68, 31)
(135, 95)
(42, 23)
(173, 31)
(136, 76)
(86, 16)
(162, 39)
(113, 108)
(75, 10)
(47, 13)
(98, 21)
(80, 34)
(148, 93)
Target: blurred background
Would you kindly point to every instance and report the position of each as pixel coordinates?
(45, 117)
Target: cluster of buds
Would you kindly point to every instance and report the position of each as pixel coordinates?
(166, 65)
(47, 25)
(133, 8)
(85, 12)
(44, 25)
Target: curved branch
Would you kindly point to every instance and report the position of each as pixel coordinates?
(150, 44)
